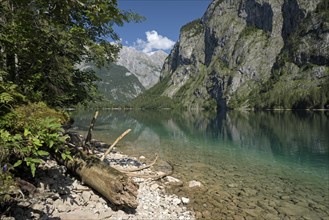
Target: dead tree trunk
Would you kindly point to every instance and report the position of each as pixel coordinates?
(88, 137)
(115, 186)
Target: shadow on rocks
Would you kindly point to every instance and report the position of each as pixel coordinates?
(25, 211)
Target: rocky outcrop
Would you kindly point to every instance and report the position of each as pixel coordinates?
(133, 73)
(146, 67)
(252, 54)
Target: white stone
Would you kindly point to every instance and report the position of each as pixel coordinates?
(154, 186)
(233, 185)
(142, 157)
(176, 201)
(86, 195)
(194, 183)
(38, 206)
(185, 200)
(94, 198)
(99, 206)
(173, 181)
(63, 208)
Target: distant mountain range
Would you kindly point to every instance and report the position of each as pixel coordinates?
(133, 73)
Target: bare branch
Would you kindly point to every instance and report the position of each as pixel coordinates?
(140, 168)
(115, 142)
(91, 127)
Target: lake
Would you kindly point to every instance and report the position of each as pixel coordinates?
(263, 165)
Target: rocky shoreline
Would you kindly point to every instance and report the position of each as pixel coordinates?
(60, 195)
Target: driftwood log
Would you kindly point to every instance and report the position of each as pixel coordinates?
(111, 183)
(114, 185)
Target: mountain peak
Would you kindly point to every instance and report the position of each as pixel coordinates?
(144, 66)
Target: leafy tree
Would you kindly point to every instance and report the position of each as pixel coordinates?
(8, 97)
(41, 43)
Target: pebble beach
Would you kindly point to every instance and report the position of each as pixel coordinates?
(60, 195)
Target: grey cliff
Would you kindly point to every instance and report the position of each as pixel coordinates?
(252, 54)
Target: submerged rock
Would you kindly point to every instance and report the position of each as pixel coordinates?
(233, 185)
(173, 181)
(194, 183)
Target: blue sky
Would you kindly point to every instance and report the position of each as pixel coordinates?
(164, 19)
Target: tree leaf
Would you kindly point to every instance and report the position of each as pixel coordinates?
(69, 156)
(51, 143)
(26, 149)
(36, 160)
(63, 156)
(37, 142)
(26, 132)
(32, 165)
(42, 153)
(19, 162)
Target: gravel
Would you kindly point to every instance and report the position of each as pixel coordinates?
(61, 195)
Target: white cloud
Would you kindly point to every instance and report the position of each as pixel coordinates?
(154, 41)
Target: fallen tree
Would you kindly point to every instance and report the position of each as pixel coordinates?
(114, 185)
(111, 183)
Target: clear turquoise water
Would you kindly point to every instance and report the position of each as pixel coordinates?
(282, 157)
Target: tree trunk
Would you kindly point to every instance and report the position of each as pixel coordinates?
(115, 186)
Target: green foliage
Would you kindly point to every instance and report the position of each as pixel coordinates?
(29, 133)
(194, 27)
(160, 102)
(28, 115)
(35, 143)
(323, 6)
(298, 94)
(194, 94)
(41, 43)
(114, 77)
(153, 98)
(9, 97)
(7, 186)
(33, 114)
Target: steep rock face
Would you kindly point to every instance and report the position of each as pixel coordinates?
(235, 55)
(145, 67)
(300, 76)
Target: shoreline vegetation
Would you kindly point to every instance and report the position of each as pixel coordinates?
(41, 44)
(57, 191)
(190, 109)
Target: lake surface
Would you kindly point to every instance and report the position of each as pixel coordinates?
(263, 165)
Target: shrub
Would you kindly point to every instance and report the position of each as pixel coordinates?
(28, 136)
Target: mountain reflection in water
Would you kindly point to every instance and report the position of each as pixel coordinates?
(261, 164)
(299, 137)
